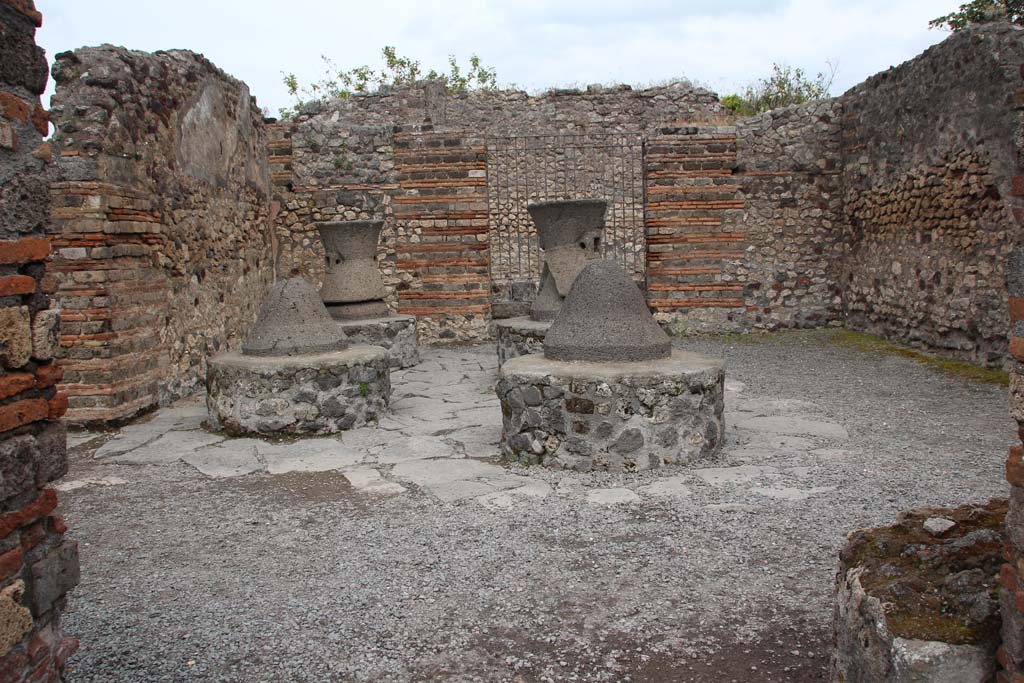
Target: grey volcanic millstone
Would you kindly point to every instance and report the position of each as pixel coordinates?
(351, 276)
(605, 319)
(293, 322)
(569, 232)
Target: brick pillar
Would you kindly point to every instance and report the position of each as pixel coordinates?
(37, 565)
(440, 210)
(689, 186)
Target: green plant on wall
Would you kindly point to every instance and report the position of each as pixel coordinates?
(785, 85)
(981, 12)
(397, 70)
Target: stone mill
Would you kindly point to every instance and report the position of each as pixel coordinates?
(569, 233)
(297, 373)
(354, 291)
(609, 392)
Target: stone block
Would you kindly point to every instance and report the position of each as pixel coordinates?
(52, 459)
(18, 456)
(22, 63)
(46, 334)
(53, 576)
(15, 336)
(15, 618)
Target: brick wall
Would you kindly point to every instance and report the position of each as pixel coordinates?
(440, 211)
(38, 566)
(690, 189)
(163, 246)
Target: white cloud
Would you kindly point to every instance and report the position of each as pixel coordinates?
(532, 43)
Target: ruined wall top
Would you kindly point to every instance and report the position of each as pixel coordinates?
(127, 117)
(955, 95)
(510, 112)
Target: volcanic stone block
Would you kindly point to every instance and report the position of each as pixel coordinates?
(915, 607)
(352, 288)
(309, 394)
(519, 337)
(53, 576)
(396, 333)
(612, 416)
(605, 318)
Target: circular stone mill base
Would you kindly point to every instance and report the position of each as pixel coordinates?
(309, 394)
(519, 337)
(620, 416)
(396, 333)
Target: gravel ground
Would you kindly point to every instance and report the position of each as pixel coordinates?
(300, 577)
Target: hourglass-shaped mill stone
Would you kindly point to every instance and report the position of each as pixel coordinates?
(297, 373)
(352, 286)
(609, 392)
(354, 292)
(569, 233)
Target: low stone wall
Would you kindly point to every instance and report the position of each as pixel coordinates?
(319, 393)
(163, 248)
(38, 565)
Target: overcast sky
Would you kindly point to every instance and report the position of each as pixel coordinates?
(533, 44)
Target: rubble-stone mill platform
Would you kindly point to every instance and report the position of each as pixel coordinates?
(609, 392)
(297, 373)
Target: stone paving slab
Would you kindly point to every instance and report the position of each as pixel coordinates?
(442, 436)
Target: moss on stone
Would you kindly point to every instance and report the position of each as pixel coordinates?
(930, 585)
(968, 371)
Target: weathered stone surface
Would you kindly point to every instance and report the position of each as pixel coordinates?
(611, 416)
(519, 336)
(53, 576)
(46, 334)
(293, 322)
(310, 394)
(914, 608)
(931, 149)
(15, 618)
(604, 318)
(351, 274)
(396, 333)
(569, 234)
(15, 336)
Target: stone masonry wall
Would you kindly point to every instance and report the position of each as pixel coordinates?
(928, 157)
(743, 222)
(38, 565)
(1011, 158)
(161, 227)
(339, 161)
(788, 169)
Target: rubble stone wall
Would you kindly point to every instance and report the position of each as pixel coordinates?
(929, 154)
(163, 246)
(339, 161)
(38, 565)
